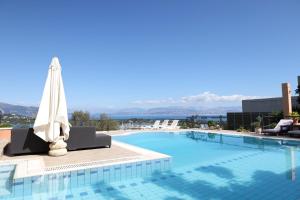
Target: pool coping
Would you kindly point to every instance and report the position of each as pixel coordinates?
(36, 166)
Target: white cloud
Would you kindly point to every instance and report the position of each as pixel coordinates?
(155, 102)
(203, 98)
(211, 97)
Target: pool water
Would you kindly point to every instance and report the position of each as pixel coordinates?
(214, 166)
(204, 166)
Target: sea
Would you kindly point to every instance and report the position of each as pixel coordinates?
(162, 117)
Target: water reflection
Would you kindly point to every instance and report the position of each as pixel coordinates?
(291, 163)
(245, 141)
(289, 147)
(52, 184)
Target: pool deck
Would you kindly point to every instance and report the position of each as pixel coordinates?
(119, 153)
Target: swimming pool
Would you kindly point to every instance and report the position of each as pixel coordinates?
(215, 166)
(204, 166)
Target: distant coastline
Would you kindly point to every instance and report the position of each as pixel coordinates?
(161, 117)
(124, 117)
(130, 113)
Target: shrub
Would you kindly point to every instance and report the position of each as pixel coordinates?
(295, 115)
(257, 123)
(211, 123)
(80, 118)
(106, 123)
(183, 125)
(5, 125)
(241, 129)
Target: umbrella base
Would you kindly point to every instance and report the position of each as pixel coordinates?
(58, 152)
(58, 148)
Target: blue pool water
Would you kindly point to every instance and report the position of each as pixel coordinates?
(204, 166)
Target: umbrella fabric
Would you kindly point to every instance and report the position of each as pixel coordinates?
(52, 114)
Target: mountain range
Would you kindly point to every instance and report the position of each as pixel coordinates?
(172, 110)
(18, 109)
(179, 110)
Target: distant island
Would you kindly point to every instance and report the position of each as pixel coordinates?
(176, 111)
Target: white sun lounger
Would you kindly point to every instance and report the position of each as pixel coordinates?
(154, 126)
(164, 124)
(283, 126)
(204, 126)
(174, 125)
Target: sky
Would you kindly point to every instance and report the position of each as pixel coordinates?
(137, 53)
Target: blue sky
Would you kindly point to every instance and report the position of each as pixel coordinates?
(118, 54)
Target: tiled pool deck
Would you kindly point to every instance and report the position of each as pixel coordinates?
(119, 153)
(76, 169)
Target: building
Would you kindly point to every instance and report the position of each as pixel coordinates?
(266, 105)
(264, 108)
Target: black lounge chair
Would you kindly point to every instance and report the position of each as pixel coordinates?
(294, 133)
(283, 126)
(24, 141)
(86, 138)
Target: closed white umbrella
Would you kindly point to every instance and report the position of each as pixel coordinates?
(53, 114)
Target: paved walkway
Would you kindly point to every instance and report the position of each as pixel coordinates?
(76, 157)
(119, 153)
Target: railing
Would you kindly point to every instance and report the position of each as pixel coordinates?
(246, 120)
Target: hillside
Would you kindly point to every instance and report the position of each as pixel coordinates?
(17, 109)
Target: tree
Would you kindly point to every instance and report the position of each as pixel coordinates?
(80, 118)
(106, 123)
(211, 123)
